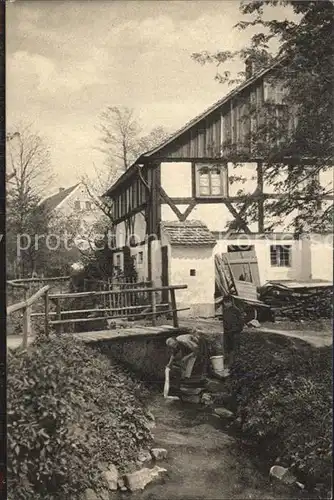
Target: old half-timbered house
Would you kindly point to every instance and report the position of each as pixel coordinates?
(179, 204)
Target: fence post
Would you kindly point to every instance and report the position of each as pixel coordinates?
(58, 311)
(109, 296)
(26, 322)
(154, 306)
(26, 326)
(173, 302)
(46, 308)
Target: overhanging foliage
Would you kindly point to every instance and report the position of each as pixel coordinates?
(297, 130)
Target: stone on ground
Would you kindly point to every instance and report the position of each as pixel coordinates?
(214, 385)
(282, 474)
(221, 375)
(254, 323)
(140, 479)
(144, 457)
(90, 495)
(111, 476)
(191, 398)
(159, 453)
(207, 399)
(121, 484)
(223, 413)
(191, 391)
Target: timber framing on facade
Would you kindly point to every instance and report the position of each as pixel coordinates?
(203, 143)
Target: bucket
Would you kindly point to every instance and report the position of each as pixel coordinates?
(217, 364)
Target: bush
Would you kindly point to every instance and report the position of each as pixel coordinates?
(68, 409)
(282, 393)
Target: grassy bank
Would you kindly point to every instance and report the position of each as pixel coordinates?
(69, 411)
(282, 396)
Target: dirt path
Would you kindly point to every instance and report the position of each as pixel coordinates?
(204, 461)
(318, 338)
(311, 337)
(15, 341)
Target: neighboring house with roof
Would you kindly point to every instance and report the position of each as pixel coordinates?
(174, 206)
(75, 205)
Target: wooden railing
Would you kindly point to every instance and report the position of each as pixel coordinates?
(26, 306)
(22, 281)
(33, 284)
(128, 309)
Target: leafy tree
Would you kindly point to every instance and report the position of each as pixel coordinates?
(58, 250)
(301, 125)
(37, 240)
(30, 172)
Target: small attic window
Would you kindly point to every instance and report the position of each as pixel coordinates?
(88, 205)
(211, 180)
(192, 272)
(77, 205)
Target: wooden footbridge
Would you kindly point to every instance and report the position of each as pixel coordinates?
(62, 314)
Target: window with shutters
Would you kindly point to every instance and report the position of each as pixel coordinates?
(211, 180)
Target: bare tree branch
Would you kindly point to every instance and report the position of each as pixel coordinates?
(122, 141)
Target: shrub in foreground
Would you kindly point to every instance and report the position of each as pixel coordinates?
(282, 391)
(69, 409)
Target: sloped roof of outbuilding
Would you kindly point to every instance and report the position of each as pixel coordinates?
(189, 232)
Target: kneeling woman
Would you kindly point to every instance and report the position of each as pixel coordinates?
(189, 360)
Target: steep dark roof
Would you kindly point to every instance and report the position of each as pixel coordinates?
(189, 232)
(53, 201)
(212, 108)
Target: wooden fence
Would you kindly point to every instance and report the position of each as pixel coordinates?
(122, 304)
(117, 300)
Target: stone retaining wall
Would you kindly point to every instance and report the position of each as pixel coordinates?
(147, 356)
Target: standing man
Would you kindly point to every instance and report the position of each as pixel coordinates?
(233, 325)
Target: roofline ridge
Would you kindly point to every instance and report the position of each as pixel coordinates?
(69, 191)
(277, 60)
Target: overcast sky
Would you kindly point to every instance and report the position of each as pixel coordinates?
(68, 60)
